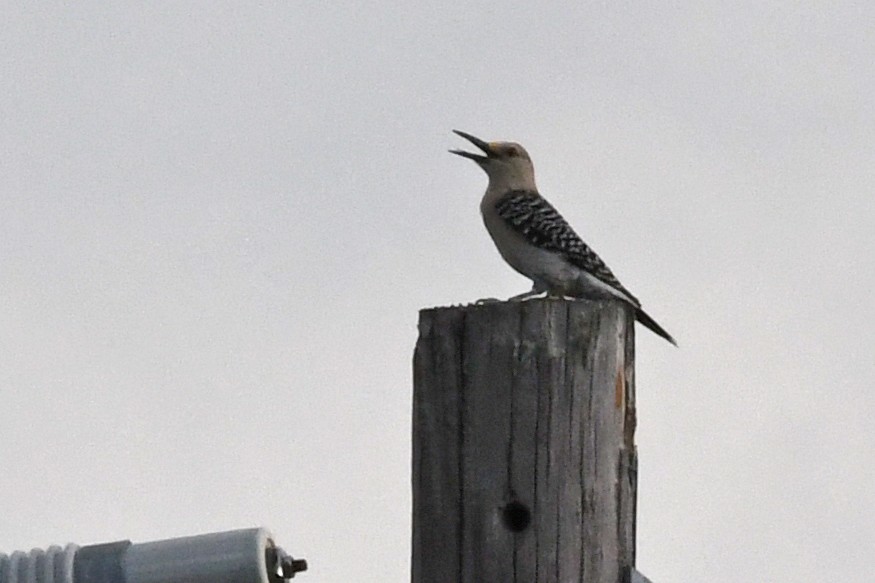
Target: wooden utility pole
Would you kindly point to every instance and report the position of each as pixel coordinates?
(524, 463)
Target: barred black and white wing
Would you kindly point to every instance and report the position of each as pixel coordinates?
(533, 217)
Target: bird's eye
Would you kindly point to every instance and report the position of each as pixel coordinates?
(512, 152)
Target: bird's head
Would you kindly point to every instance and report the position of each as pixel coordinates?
(506, 163)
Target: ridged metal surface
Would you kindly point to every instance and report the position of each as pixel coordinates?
(52, 565)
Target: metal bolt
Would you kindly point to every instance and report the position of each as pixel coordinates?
(291, 566)
(282, 566)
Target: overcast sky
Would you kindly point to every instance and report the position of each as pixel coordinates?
(218, 221)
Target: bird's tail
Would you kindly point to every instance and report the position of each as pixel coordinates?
(649, 322)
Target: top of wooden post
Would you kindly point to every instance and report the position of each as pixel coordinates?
(523, 453)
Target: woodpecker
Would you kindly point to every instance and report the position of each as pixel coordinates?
(533, 237)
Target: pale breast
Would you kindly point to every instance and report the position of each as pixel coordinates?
(541, 266)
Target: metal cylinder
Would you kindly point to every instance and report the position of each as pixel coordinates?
(238, 556)
(225, 557)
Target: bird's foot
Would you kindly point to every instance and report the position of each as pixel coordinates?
(484, 301)
(525, 296)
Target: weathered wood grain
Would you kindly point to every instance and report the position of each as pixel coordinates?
(524, 467)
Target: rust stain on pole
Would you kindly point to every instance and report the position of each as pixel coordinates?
(620, 390)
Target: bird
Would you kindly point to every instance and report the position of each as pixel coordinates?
(535, 240)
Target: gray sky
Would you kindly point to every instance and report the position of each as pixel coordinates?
(218, 221)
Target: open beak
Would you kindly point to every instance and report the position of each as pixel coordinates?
(477, 142)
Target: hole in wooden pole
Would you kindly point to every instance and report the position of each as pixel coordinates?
(516, 516)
